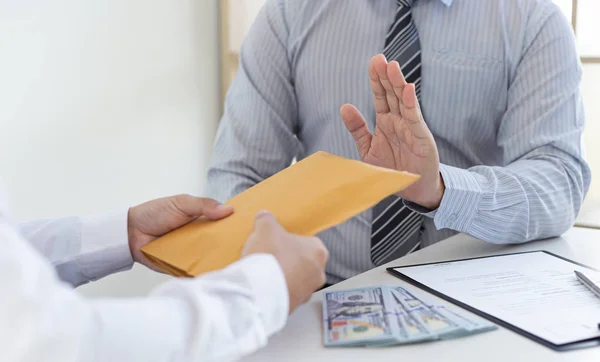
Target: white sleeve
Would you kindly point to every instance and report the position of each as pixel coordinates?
(218, 317)
(82, 249)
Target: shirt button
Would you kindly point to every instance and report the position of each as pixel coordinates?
(452, 218)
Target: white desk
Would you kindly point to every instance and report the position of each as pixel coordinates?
(302, 338)
(589, 216)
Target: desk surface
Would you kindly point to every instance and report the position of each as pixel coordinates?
(301, 340)
(589, 216)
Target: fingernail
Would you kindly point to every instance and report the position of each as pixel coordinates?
(262, 213)
(224, 208)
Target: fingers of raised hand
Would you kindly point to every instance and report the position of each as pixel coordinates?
(381, 67)
(405, 93)
(379, 92)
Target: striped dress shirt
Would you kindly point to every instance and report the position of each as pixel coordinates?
(500, 93)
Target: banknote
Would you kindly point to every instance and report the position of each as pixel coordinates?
(383, 316)
(356, 317)
(469, 323)
(445, 320)
(426, 316)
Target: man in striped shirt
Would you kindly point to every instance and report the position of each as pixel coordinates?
(481, 98)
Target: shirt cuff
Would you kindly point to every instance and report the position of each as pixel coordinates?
(420, 209)
(269, 287)
(461, 199)
(104, 245)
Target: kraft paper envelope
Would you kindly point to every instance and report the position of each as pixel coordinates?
(308, 197)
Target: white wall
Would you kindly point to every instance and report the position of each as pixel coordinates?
(105, 104)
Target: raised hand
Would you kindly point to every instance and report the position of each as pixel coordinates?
(401, 140)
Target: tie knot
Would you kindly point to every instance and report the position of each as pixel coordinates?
(405, 3)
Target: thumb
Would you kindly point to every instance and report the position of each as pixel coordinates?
(192, 206)
(356, 125)
(264, 220)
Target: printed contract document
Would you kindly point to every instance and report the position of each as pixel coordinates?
(536, 292)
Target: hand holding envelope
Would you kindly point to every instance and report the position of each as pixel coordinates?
(308, 197)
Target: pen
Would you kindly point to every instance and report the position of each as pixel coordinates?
(588, 283)
(593, 287)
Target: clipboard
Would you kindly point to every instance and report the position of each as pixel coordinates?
(577, 344)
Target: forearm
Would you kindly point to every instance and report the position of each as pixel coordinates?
(82, 249)
(543, 178)
(532, 198)
(218, 317)
(235, 310)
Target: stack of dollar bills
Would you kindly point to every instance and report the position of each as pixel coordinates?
(385, 315)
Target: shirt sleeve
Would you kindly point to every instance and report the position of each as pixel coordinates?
(217, 317)
(82, 249)
(539, 191)
(256, 138)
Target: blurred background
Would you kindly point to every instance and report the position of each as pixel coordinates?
(105, 104)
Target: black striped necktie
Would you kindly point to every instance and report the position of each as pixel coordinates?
(396, 230)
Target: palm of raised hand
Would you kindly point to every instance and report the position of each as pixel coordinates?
(394, 136)
(401, 139)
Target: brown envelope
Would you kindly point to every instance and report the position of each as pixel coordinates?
(308, 197)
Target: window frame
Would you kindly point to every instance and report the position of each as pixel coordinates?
(574, 7)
